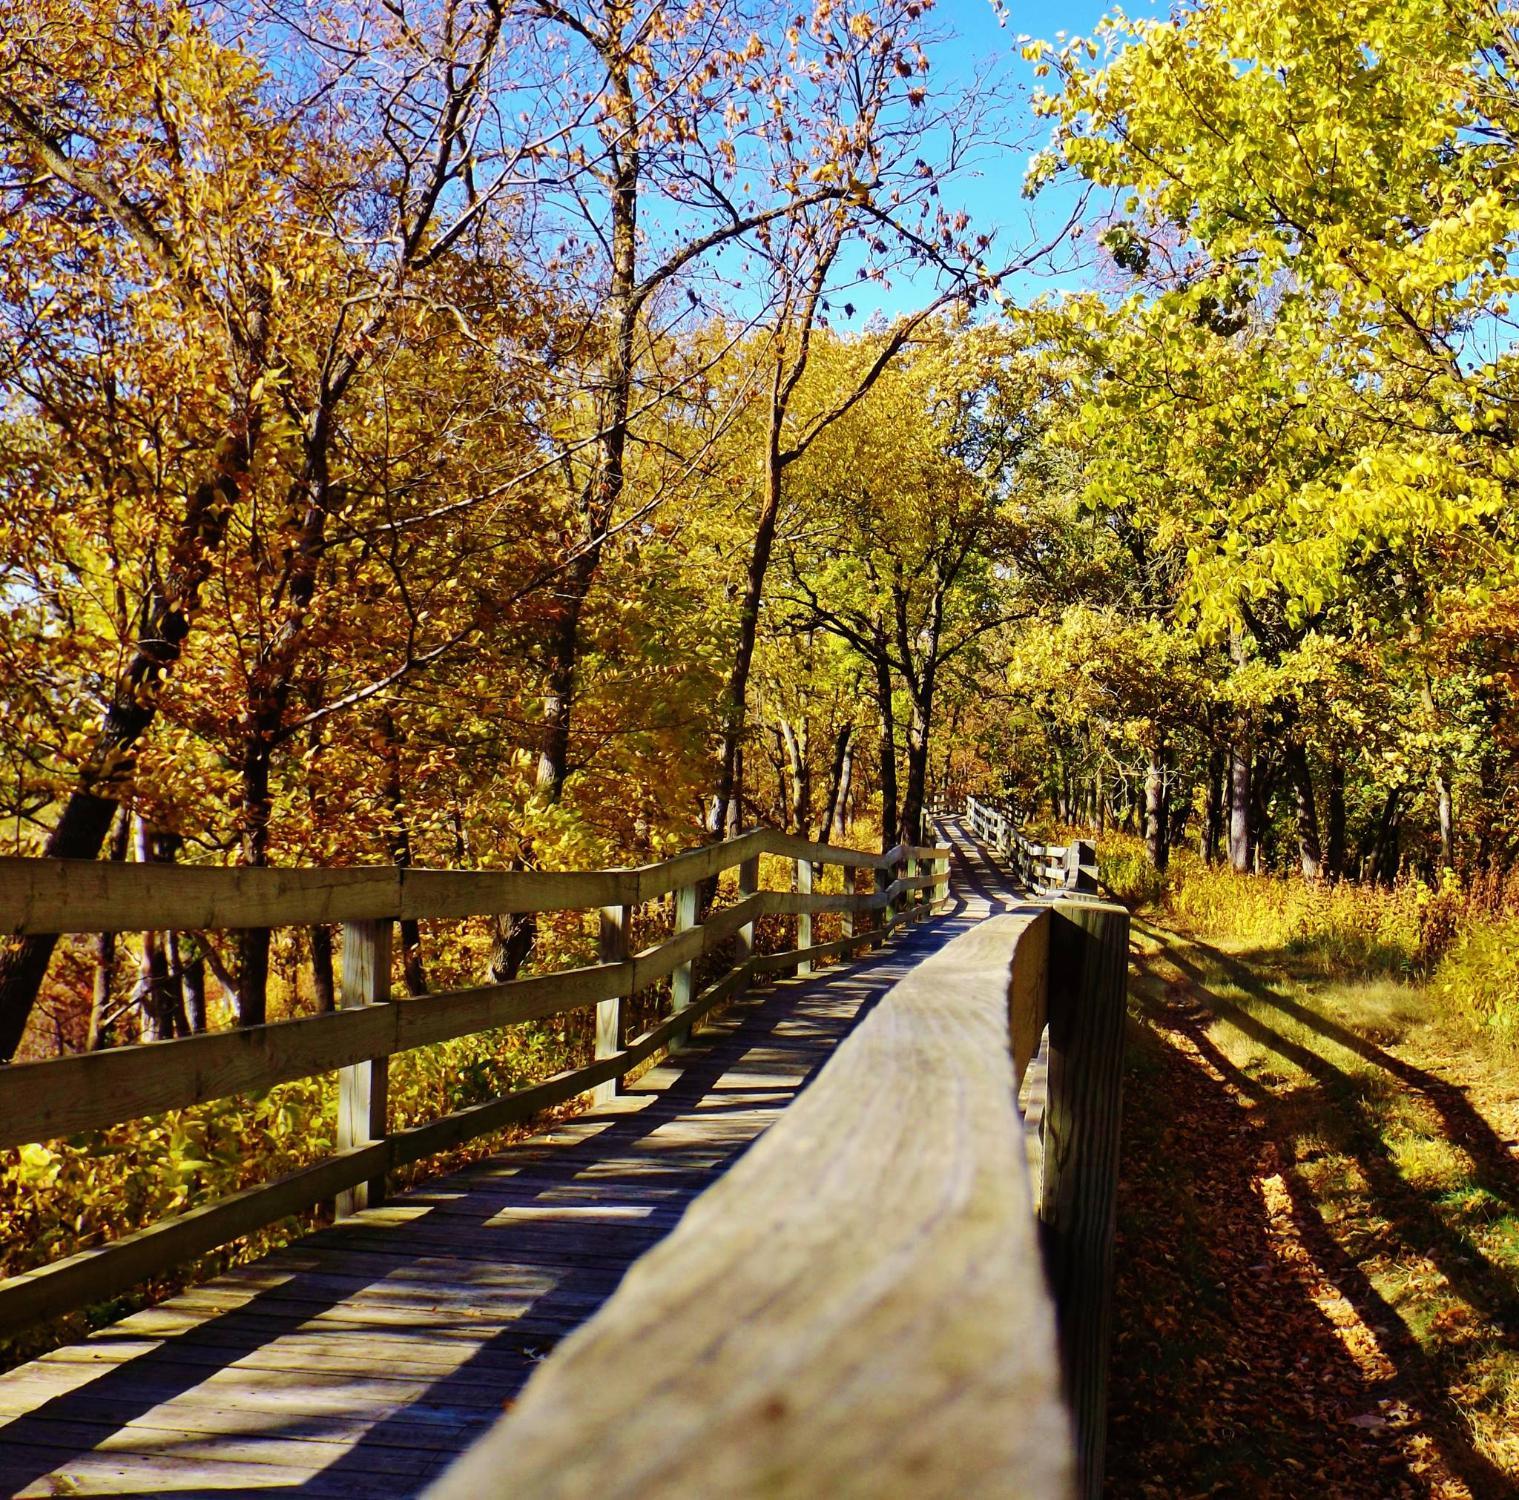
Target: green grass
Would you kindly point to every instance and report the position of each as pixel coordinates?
(1395, 1123)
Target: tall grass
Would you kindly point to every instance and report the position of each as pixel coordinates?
(1460, 940)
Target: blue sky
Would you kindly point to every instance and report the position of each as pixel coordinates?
(994, 197)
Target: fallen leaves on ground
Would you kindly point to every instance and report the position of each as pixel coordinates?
(1253, 1356)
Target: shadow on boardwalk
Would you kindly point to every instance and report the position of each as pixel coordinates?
(364, 1358)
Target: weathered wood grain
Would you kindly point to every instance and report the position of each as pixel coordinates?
(49, 1099)
(788, 959)
(1088, 966)
(856, 1309)
(44, 1100)
(363, 1089)
(74, 895)
(339, 1365)
(1028, 992)
(94, 1275)
(52, 895)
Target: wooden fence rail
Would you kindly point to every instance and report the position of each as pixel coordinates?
(45, 1100)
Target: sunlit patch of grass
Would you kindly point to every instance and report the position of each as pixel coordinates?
(1429, 1162)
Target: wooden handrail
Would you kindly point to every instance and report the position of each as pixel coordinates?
(91, 1091)
(81, 895)
(858, 1306)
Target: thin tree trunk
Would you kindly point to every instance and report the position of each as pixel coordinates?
(888, 750)
(604, 486)
(1157, 830)
(154, 1001)
(398, 836)
(1310, 851)
(253, 942)
(323, 986)
(1447, 820)
(1239, 808)
(562, 666)
(910, 825)
(1213, 820)
(1178, 808)
(1334, 853)
(799, 802)
(1384, 866)
(100, 1032)
(191, 972)
(736, 691)
(1262, 790)
(840, 772)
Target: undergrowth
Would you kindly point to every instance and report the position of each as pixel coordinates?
(1459, 940)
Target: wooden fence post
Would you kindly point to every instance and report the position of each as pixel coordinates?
(612, 945)
(748, 884)
(884, 877)
(1088, 966)
(804, 919)
(683, 980)
(941, 869)
(846, 918)
(1081, 866)
(363, 1088)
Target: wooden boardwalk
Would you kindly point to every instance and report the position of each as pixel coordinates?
(363, 1359)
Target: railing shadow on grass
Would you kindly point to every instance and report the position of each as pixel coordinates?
(381, 1455)
(1469, 1273)
(1462, 1264)
(1496, 1165)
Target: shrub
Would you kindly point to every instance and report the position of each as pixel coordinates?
(1478, 979)
(1125, 871)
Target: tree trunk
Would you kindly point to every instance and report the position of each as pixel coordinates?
(1334, 854)
(191, 972)
(839, 776)
(1239, 808)
(101, 1021)
(919, 729)
(736, 691)
(1157, 823)
(253, 942)
(604, 485)
(163, 624)
(1213, 818)
(888, 750)
(323, 987)
(799, 802)
(398, 837)
(562, 664)
(1262, 789)
(1384, 858)
(155, 1000)
(1309, 849)
(1447, 820)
